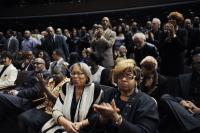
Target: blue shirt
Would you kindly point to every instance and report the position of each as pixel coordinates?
(29, 44)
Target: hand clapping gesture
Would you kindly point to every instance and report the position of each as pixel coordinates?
(108, 111)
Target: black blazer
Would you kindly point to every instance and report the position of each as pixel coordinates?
(148, 50)
(59, 42)
(30, 89)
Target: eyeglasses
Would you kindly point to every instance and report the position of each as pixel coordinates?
(77, 74)
(127, 76)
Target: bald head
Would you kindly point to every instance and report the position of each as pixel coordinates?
(50, 30)
(39, 64)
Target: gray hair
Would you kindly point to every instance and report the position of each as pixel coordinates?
(86, 70)
(139, 35)
(157, 20)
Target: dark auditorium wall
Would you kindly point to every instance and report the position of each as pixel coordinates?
(67, 20)
(85, 6)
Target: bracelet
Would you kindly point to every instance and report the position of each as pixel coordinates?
(118, 121)
(81, 124)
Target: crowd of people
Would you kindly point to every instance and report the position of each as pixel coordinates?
(121, 78)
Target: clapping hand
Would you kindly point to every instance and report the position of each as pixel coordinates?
(109, 111)
(13, 92)
(40, 78)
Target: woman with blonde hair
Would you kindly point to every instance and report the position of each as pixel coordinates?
(127, 109)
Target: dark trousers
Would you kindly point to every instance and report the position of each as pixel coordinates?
(181, 117)
(10, 107)
(32, 120)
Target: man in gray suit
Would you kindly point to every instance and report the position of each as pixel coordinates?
(13, 43)
(103, 41)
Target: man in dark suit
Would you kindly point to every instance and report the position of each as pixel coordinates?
(53, 41)
(20, 98)
(142, 48)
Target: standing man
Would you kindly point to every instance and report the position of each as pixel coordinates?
(8, 73)
(13, 43)
(143, 48)
(29, 43)
(103, 41)
(54, 41)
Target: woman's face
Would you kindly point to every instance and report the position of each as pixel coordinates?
(126, 81)
(78, 77)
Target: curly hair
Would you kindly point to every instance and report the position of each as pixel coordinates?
(176, 16)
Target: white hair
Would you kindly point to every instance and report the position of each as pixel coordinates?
(157, 20)
(150, 59)
(122, 46)
(139, 35)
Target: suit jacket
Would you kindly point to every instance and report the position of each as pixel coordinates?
(31, 88)
(8, 77)
(184, 83)
(148, 50)
(13, 45)
(103, 47)
(59, 42)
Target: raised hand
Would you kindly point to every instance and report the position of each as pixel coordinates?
(107, 110)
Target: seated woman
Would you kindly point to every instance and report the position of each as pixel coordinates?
(73, 109)
(152, 83)
(127, 109)
(32, 120)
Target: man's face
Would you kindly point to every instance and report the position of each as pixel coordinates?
(138, 42)
(6, 61)
(38, 65)
(50, 31)
(29, 55)
(105, 22)
(188, 24)
(154, 25)
(55, 56)
(27, 34)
